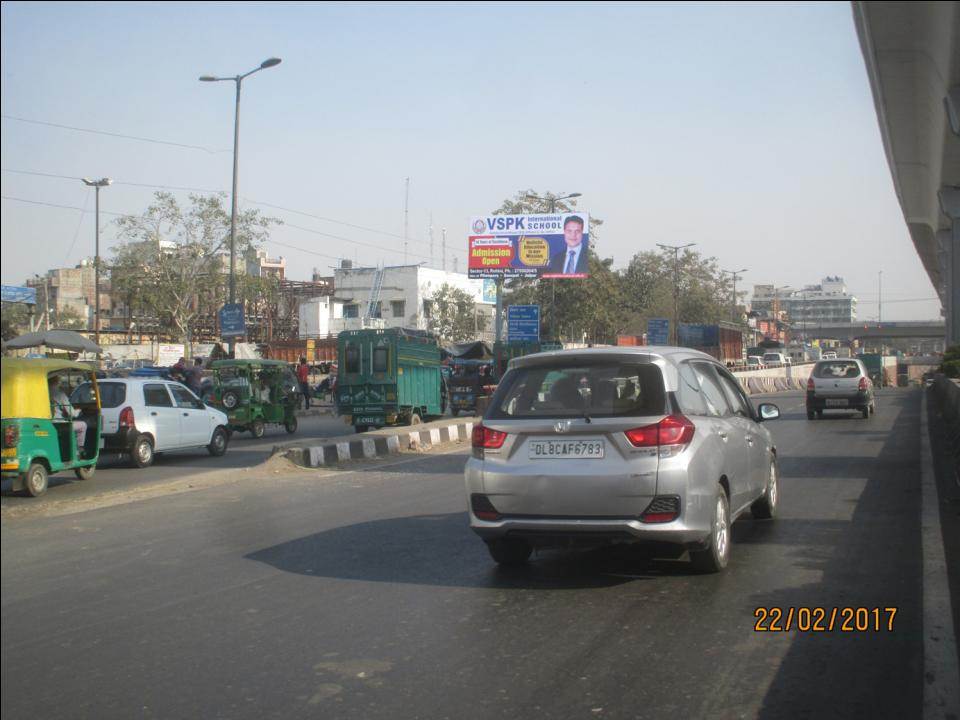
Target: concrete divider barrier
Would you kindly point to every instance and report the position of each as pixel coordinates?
(377, 443)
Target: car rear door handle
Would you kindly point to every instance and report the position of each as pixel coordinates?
(723, 436)
(186, 414)
(154, 414)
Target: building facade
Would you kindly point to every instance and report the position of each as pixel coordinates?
(825, 303)
(73, 291)
(401, 296)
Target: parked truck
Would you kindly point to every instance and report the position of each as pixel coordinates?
(723, 340)
(389, 377)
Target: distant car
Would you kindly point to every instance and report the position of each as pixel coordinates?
(619, 445)
(830, 355)
(841, 384)
(755, 362)
(145, 416)
(774, 359)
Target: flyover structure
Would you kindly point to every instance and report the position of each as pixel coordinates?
(912, 56)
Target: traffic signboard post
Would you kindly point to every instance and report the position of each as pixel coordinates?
(523, 323)
(231, 321)
(658, 331)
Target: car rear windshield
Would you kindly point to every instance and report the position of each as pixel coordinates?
(836, 369)
(112, 394)
(775, 357)
(573, 389)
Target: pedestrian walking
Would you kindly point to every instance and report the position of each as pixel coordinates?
(303, 377)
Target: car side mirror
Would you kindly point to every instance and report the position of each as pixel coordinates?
(768, 411)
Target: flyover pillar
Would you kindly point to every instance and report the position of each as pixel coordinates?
(949, 241)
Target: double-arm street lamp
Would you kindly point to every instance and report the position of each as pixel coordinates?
(676, 286)
(97, 184)
(238, 79)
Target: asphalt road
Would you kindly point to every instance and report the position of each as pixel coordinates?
(115, 473)
(361, 593)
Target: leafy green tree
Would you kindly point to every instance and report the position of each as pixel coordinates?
(69, 319)
(14, 319)
(453, 317)
(172, 258)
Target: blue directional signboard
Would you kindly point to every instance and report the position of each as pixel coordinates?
(658, 331)
(18, 294)
(231, 321)
(523, 323)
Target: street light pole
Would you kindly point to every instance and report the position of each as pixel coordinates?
(676, 286)
(238, 79)
(96, 184)
(553, 300)
(734, 274)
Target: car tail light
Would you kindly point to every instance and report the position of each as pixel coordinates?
(485, 438)
(673, 430)
(810, 384)
(126, 418)
(664, 508)
(11, 436)
(483, 508)
(863, 384)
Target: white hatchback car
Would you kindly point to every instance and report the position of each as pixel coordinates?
(144, 416)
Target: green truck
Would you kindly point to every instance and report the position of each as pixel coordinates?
(389, 377)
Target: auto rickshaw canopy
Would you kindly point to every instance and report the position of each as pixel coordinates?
(23, 385)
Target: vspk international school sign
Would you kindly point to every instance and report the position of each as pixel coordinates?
(531, 246)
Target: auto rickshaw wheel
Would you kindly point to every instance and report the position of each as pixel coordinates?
(257, 428)
(291, 425)
(35, 481)
(85, 473)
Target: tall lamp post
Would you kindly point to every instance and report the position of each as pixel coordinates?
(552, 202)
(734, 274)
(238, 79)
(676, 286)
(96, 184)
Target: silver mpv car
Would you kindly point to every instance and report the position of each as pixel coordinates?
(607, 445)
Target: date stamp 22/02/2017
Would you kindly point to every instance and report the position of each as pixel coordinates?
(824, 619)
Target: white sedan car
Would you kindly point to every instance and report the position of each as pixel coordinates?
(145, 416)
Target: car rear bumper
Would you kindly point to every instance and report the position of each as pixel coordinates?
(857, 400)
(554, 532)
(120, 441)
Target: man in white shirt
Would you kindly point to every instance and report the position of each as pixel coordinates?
(63, 410)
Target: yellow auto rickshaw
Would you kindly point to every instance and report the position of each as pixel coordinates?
(49, 422)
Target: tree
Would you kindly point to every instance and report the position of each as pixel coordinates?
(453, 317)
(14, 319)
(68, 319)
(172, 259)
(648, 288)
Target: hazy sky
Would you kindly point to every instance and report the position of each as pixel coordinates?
(748, 129)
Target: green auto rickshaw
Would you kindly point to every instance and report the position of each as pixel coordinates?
(48, 424)
(255, 392)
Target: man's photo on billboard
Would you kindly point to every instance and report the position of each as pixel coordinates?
(573, 258)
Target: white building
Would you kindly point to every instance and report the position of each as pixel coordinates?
(403, 299)
(823, 304)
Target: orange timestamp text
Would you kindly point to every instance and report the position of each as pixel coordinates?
(824, 619)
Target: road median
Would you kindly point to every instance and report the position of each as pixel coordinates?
(377, 443)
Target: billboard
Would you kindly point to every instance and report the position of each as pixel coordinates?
(532, 246)
(18, 294)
